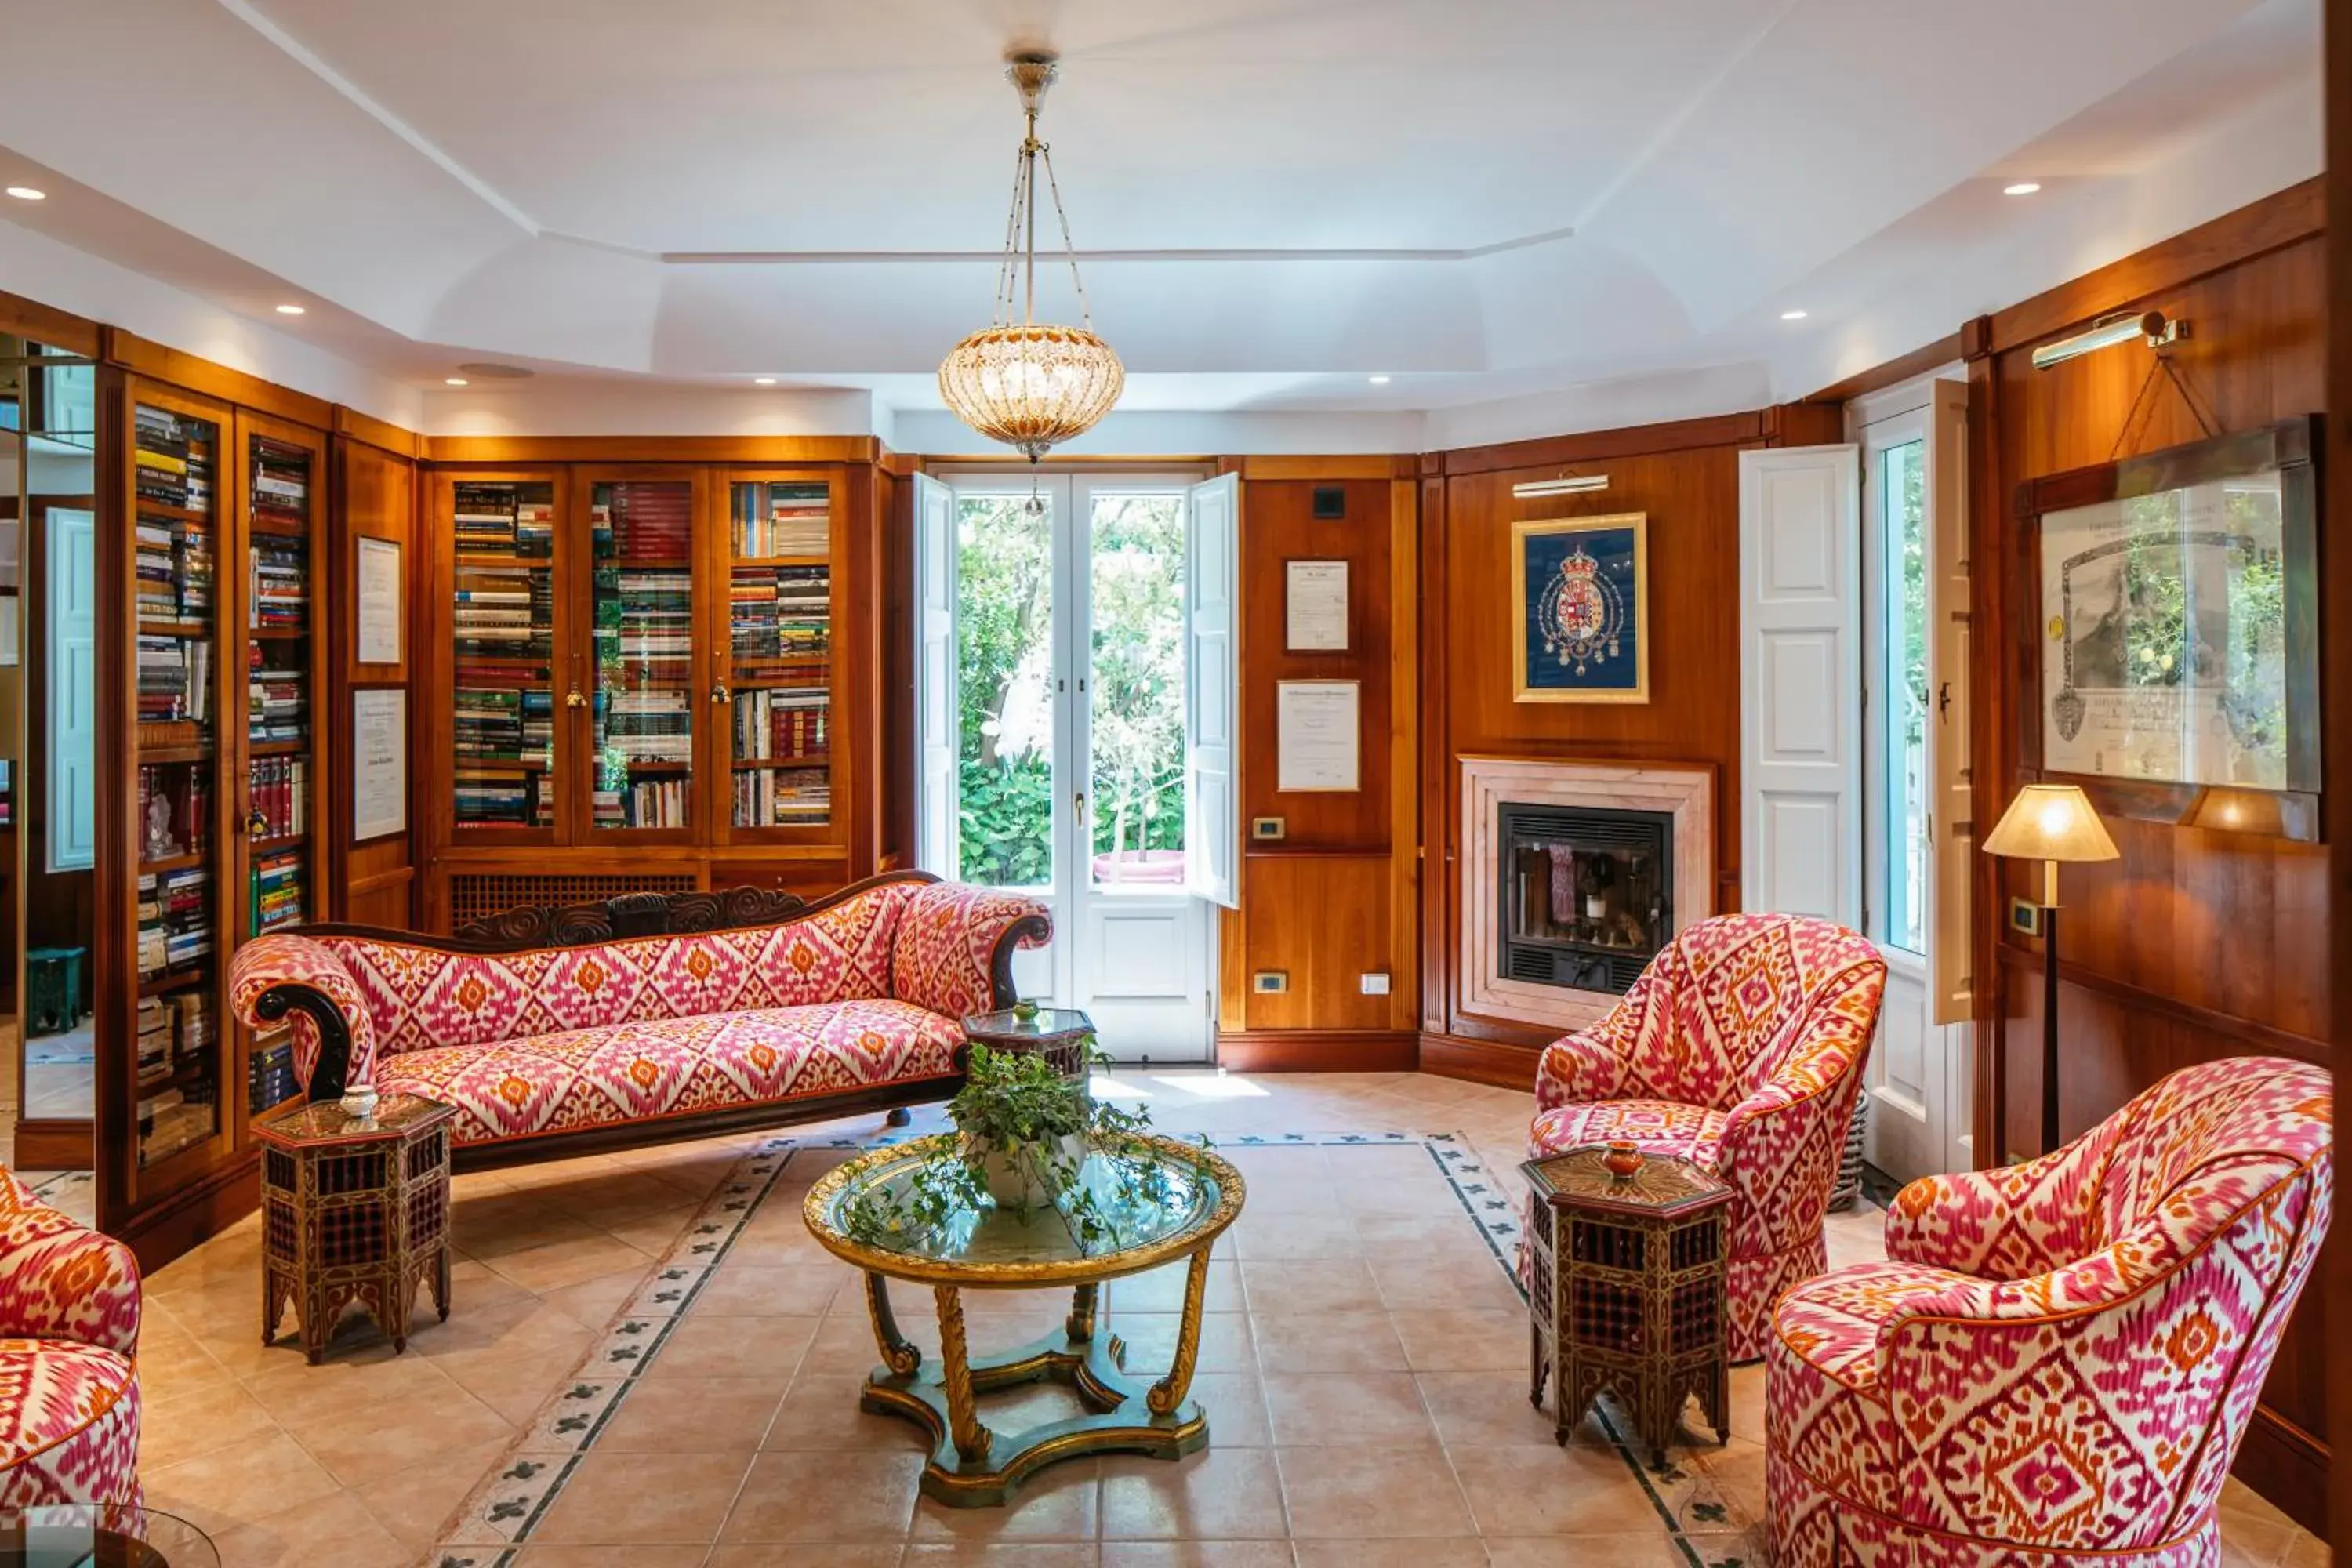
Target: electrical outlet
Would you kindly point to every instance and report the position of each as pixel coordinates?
(1373, 984)
(1270, 982)
(1266, 828)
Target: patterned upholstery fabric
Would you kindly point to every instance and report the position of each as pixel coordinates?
(675, 1066)
(2058, 1360)
(1742, 1046)
(863, 993)
(68, 1359)
(947, 946)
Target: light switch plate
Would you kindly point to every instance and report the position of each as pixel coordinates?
(1373, 984)
(2025, 917)
(1270, 982)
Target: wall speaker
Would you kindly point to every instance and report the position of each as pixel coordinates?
(1330, 501)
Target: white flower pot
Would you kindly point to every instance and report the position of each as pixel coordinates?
(1025, 1180)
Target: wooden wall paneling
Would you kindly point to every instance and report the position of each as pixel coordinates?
(2334, 1283)
(1403, 596)
(1607, 445)
(2193, 944)
(1989, 700)
(869, 709)
(1438, 785)
(1322, 920)
(375, 489)
(1943, 350)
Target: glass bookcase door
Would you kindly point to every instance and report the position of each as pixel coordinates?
(176, 473)
(506, 668)
(641, 698)
(284, 490)
(779, 655)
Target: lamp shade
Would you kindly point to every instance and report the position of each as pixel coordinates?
(2051, 822)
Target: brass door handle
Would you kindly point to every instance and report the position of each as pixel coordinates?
(1079, 804)
(256, 824)
(574, 700)
(718, 693)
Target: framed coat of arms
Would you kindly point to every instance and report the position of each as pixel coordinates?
(1580, 586)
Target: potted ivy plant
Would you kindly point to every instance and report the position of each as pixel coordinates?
(1022, 1126)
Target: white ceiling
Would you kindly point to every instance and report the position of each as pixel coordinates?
(1506, 199)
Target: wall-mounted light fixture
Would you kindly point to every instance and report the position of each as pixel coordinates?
(1566, 485)
(2153, 327)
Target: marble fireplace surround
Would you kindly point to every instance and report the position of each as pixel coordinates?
(1688, 793)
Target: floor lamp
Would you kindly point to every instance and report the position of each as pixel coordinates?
(2049, 823)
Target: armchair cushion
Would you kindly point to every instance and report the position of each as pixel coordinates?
(1653, 1126)
(68, 1424)
(61, 1281)
(674, 1067)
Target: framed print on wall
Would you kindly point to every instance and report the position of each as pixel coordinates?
(1579, 587)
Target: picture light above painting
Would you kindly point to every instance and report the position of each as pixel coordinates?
(1579, 588)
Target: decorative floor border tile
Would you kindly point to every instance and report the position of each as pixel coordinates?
(499, 1516)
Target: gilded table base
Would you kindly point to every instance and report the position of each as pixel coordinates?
(974, 1467)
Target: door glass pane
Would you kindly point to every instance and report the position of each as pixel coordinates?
(1903, 491)
(504, 635)
(1004, 660)
(1136, 691)
(780, 646)
(642, 717)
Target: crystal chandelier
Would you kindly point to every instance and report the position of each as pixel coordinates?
(1028, 384)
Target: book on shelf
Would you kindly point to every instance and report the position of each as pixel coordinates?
(277, 791)
(269, 1071)
(647, 803)
(641, 520)
(783, 797)
(281, 487)
(788, 722)
(155, 1047)
(782, 519)
(493, 518)
(274, 898)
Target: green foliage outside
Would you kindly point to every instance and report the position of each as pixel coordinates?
(1004, 627)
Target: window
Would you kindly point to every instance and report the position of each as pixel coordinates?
(1902, 900)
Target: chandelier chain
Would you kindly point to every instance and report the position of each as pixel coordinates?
(1086, 313)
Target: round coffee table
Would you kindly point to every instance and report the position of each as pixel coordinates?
(1160, 1199)
(100, 1535)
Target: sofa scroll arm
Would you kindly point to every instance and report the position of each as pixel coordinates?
(1029, 931)
(334, 1061)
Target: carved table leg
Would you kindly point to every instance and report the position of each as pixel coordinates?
(1083, 1302)
(972, 1439)
(1167, 1395)
(898, 1353)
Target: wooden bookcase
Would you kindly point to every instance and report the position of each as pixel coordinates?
(212, 533)
(712, 704)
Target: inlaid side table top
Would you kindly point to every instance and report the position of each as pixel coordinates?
(1062, 1035)
(1159, 1200)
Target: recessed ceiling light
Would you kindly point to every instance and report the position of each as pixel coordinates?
(1793, 315)
(763, 381)
(1378, 380)
(453, 381)
(290, 309)
(2023, 188)
(27, 194)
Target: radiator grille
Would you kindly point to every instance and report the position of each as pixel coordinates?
(476, 895)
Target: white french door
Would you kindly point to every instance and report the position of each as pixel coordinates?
(1060, 730)
(1916, 813)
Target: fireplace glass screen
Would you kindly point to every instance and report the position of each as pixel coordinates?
(1588, 894)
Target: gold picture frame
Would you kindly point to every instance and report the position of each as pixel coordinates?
(1608, 591)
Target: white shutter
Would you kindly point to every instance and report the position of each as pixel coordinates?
(72, 657)
(1212, 692)
(1953, 838)
(1801, 681)
(936, 723)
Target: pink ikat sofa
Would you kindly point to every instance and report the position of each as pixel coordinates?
(852, 1002)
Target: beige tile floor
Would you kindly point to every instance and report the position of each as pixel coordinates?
(1364, 1368)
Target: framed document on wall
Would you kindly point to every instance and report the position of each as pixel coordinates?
(1580, 609)
(2178, 625)
(379, 764)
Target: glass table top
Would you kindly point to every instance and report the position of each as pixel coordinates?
(1146, 1200)
(100, 1535)
(1046, 1021)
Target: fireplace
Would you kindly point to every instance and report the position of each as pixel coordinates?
(1587, 893)
(1524, 958)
